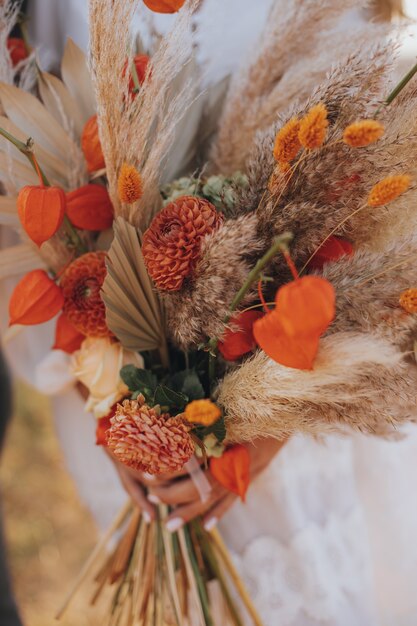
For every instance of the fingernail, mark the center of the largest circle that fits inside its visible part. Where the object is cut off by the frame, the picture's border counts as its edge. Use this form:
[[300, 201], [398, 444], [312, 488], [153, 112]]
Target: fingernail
[[154, 499], [174, 524], [149, 477], [146, 517], [211, 523]]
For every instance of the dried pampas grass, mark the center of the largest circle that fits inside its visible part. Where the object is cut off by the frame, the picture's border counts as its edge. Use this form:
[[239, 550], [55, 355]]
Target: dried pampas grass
[[359, 382], [198, 310], [280, 75], [9, 12], [140, 130]]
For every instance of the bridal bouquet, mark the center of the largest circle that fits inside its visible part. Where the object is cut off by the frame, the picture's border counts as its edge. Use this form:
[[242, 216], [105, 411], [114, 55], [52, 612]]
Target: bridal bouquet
[[213, 288]]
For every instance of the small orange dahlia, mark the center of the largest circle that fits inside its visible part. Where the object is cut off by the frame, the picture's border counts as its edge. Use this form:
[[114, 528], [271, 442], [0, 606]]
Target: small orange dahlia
[[203, 412], [171, 245], [147, 441], [81, 284]]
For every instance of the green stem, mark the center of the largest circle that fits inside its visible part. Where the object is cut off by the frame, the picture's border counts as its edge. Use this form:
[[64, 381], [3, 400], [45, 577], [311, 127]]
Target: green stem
[[397, 90], [280, 245], [135, 77], [27, 150]]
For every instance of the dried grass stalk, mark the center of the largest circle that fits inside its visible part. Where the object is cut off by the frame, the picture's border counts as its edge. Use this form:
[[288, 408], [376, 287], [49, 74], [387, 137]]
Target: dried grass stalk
[[137, 130], [279, 74]]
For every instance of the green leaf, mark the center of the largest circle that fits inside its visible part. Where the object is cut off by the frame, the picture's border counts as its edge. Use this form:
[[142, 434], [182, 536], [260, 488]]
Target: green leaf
[[188, 383], [139, 381], [170, 400], [218, 429]]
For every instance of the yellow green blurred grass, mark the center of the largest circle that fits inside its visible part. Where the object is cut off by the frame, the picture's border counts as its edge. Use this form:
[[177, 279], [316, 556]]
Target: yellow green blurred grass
[[49, 533]]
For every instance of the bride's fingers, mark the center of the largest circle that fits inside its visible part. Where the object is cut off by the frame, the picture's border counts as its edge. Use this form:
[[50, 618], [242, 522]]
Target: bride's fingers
[[218, 510], [137, 494], [176, 492]]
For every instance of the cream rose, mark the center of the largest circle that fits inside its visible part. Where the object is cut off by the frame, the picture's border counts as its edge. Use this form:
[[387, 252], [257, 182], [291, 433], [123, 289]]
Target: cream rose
[[97, 365]]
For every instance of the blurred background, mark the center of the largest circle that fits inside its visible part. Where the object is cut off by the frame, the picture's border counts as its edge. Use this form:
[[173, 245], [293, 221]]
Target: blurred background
[[49, 532]]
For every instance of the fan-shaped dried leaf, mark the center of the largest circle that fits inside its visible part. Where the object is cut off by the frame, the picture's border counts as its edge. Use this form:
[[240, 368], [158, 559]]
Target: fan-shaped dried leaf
[[18, 260], [8, 212], [61, 104], [133, 312], [77, 78]]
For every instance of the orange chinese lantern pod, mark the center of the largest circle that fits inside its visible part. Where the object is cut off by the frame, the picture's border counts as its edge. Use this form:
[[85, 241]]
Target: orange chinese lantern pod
[[332, 250], [141, 63], [103, 425], [67, 337], [17, 50], [164, 6], [41, 211], [90, 208], [232, 470], [35, 299], [239, 339], [306, 306], [91, 146], [298, 352]]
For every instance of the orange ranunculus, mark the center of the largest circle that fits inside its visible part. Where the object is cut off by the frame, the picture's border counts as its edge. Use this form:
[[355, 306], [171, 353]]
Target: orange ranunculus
[[164, 6], [297, 352], [17, 50], [332, 250], [67, 337], [90, 208], [232, 470], [290, 333], [35, 299], [238, 342], [91, 146], [41, 211]]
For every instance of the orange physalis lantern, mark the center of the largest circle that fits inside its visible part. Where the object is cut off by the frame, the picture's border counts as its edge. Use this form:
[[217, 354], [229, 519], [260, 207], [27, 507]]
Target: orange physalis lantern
[[232, 470], [332, 250], [35, 299], [90, 208], [239, 339], [290, 333], [17, 50], [91, 146], [164, 6], [140, 62], [41, 211], [67, 337]]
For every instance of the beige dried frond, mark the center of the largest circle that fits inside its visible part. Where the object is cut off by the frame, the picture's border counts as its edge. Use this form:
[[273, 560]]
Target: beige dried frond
[[8, 15], [133, 312], [284, 71], [137, 130]]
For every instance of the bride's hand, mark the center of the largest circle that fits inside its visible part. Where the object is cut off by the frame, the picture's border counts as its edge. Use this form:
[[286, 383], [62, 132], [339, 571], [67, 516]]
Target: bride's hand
[[182, 494]]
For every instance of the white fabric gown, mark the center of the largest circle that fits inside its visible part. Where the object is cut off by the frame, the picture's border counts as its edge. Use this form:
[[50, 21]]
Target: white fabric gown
[[327, 536]]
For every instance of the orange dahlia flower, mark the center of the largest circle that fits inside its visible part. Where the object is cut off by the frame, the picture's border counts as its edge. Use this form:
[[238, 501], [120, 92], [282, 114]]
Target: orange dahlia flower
[[171, 245], [81, 284]]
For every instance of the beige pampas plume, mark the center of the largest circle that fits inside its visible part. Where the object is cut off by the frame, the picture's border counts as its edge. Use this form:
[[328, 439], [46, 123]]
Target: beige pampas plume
[[8, 16], [139, 130], [284, 70]]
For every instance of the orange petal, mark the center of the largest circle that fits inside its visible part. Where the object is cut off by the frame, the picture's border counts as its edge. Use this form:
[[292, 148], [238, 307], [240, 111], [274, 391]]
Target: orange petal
[[41, 211], [232, 470], [297, 352], [35, 299], [306, 306], [67, 337], [90, 208], [332, 250]]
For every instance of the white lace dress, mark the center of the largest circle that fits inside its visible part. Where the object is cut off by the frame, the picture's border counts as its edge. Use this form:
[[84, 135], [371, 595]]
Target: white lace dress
[[327, 536]]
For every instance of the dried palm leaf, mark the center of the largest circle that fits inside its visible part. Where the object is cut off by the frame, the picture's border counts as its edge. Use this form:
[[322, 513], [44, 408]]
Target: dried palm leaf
[[8, 214], [133, 311], [18, 260], [61, 104], [77, 78]]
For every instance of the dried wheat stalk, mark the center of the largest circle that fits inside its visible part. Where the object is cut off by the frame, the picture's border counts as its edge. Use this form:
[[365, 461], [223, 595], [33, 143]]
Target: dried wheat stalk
[[140, 130]]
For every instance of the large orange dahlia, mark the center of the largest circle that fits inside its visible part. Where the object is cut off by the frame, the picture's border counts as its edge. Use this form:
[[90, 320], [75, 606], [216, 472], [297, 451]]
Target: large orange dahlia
[[81, 284], [171, 245], [147, 441]]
